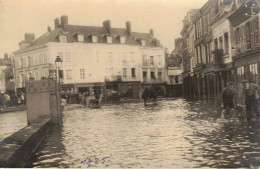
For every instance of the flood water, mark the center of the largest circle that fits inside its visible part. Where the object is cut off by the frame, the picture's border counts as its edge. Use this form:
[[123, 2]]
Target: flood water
[[11, 122], [173, 134]]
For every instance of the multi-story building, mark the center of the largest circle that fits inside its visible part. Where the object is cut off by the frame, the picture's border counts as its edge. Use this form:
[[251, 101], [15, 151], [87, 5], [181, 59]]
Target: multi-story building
[[93, 58], [245, 42], [226, 46], [174, 83], [6, 75], [188, 53], [221, 60]]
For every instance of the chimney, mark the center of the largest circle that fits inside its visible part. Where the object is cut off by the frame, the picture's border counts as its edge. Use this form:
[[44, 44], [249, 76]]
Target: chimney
[[63, 20], [128, 27], [5, 56], [49, 29], [107, 25], [151, 32], [56, 23], [29, 36]]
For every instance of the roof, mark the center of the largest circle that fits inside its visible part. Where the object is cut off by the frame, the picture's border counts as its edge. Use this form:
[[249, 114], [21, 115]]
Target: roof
[[45, 38], [71, 30]]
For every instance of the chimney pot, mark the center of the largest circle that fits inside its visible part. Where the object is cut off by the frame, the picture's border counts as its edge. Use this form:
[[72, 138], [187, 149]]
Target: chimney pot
[[151, 32], [5, 56], [56, 23], [128, 27], [49, 29], [107, 25], [63, 20]]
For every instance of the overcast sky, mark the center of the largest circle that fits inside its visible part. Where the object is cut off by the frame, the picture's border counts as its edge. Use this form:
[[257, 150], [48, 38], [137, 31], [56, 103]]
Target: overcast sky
[[163, 16]]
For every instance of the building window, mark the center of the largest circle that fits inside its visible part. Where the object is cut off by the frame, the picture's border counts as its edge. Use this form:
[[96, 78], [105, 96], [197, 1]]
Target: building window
[[253, 73], [45, 59], [176, 79], [28, 61], [152, 75], [132, 55], [124, 72], [171, 80], [145, 75], [143, 42], [25, 62], [216, 43], [109, 39], [226, 43], [94, 39], [63, 39], [67, 57], [110, 55], [160, 75], [82, 73], [69, 74], [80, 38], [122, 39], [220, 43], [151, 60], [41, 58], [159, 60], [240, 73], [133, 72]]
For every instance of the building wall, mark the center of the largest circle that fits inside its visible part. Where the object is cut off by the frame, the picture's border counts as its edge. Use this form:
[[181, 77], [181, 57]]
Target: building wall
[[153, 60], [89, 62], [2, 79], [32, 64], [218, 31]]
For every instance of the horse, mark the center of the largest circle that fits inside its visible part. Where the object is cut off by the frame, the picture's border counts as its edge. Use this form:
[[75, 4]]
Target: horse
[[149, 93]]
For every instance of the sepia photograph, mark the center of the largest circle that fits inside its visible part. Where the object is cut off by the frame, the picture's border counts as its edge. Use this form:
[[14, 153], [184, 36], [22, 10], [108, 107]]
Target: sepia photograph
[[129, 84]]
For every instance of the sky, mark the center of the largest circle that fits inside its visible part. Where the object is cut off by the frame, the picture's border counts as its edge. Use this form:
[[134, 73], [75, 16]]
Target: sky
[[34, 16]]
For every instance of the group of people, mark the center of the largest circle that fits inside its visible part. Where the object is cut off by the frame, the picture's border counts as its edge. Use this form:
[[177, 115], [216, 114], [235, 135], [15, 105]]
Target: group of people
[[92, 98], [7, 100], [250, 96]]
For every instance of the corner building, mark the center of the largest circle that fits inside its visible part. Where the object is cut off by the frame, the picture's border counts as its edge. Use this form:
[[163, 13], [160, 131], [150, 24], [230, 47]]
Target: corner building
[[93, 58]]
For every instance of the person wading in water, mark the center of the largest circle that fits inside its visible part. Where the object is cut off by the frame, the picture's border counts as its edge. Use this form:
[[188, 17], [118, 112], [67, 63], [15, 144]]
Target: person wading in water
[[229, 99]]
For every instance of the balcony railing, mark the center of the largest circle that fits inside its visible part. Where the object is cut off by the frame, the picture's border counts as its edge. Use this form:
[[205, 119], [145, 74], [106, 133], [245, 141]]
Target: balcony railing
[[148, 63]]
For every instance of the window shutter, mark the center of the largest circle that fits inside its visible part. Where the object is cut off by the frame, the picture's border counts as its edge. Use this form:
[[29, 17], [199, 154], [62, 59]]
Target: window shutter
[[256, 32]]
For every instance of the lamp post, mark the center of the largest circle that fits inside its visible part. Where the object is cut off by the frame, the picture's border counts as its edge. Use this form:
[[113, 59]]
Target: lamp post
[[58, 64]]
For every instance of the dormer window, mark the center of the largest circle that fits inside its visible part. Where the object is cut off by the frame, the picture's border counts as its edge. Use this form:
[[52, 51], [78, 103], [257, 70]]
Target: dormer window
[[143, 42], [63, 39], [122, 39], [94, 39], [80, 38], [109, 39]]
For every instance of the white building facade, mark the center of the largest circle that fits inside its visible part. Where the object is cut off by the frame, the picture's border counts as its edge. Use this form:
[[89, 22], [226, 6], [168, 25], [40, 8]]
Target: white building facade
[[93, 57]]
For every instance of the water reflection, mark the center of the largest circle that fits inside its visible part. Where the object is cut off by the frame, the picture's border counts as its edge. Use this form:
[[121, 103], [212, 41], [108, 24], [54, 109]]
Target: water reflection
[[175, 133], [11, 122]]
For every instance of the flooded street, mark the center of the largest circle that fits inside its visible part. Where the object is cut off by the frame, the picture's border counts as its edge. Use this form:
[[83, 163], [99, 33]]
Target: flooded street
[[11, 122], [175, 133]]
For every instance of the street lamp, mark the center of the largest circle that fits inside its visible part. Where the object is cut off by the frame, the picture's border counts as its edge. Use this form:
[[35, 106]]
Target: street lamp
[[58, 64], [254, 8]]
